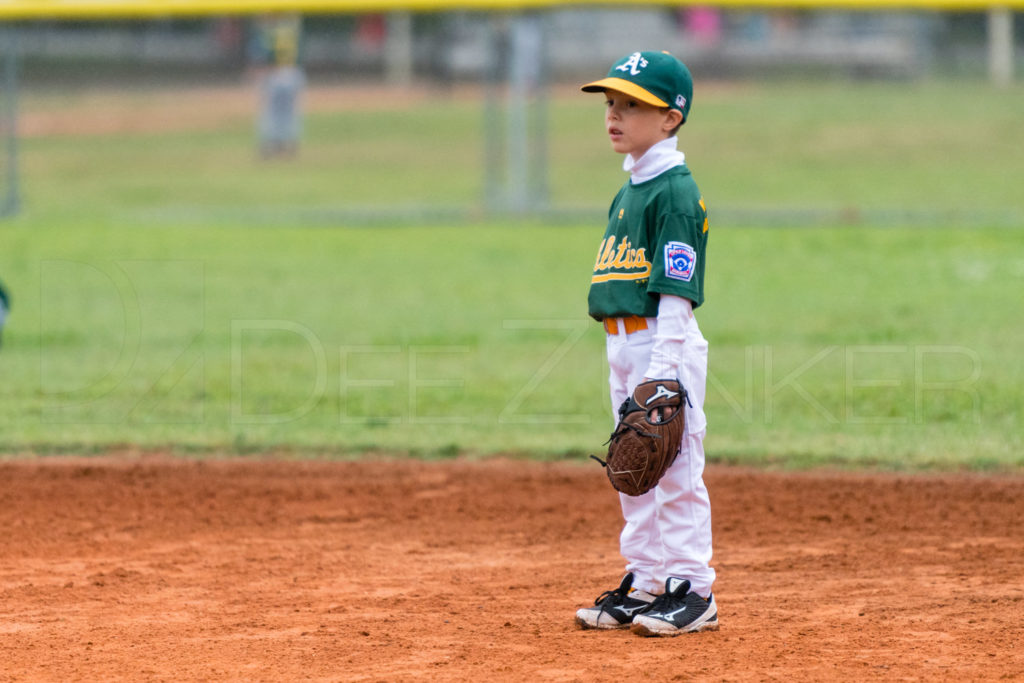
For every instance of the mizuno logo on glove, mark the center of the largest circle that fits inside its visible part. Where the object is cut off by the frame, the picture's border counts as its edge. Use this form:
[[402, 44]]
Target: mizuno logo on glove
[[662, 392]]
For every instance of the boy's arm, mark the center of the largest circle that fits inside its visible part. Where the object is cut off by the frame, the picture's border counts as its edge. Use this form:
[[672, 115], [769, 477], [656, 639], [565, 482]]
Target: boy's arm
[[674, 315]]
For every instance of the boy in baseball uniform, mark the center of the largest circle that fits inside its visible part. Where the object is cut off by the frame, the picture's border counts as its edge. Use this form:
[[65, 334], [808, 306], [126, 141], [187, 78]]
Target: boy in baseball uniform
[[648, 279]]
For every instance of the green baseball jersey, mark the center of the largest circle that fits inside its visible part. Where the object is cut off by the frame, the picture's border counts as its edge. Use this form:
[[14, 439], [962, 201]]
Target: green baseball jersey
[[655, 244]]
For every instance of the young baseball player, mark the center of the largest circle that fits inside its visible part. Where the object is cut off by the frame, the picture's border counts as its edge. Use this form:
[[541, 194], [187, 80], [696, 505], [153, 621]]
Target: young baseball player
[[647, 281]]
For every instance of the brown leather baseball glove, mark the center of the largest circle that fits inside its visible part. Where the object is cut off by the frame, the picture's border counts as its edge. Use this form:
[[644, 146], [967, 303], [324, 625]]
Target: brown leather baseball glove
[[646, 440]]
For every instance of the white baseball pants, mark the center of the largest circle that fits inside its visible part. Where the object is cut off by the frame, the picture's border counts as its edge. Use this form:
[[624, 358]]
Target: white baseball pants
[[668, 529]]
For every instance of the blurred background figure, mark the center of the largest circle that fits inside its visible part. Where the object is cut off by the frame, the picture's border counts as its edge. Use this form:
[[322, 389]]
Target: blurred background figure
[[274, 52], [5, 307], [704, 25]]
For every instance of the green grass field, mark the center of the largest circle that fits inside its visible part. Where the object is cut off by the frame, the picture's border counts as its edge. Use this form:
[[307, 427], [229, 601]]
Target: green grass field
[[864, 279]]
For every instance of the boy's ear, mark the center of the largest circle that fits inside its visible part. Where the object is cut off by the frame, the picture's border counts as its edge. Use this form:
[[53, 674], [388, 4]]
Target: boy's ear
[[673, 119]]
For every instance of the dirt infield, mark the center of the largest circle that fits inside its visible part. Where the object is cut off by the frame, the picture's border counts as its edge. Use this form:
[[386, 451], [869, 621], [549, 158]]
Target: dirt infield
[[148, 568]]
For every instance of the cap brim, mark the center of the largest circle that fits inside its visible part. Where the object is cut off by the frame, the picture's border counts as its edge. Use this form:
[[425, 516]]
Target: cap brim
[[624, 86]]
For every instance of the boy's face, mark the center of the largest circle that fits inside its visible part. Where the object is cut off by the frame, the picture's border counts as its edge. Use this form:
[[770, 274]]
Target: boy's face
[[634, 126]]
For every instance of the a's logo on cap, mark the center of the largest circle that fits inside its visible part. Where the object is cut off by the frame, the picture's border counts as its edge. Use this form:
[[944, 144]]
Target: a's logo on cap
[[680, 101], [633, 64]]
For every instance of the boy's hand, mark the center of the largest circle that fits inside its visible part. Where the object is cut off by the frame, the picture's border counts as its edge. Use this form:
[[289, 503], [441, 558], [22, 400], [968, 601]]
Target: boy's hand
[[662, 414], [659, 415]]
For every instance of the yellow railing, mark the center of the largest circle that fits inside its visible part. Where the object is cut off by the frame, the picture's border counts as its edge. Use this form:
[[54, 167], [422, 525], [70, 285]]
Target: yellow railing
[[101, 9]]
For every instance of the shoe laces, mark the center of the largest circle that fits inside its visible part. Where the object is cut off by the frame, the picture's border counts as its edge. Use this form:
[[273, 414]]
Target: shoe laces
[[667, 602], [615, 596]]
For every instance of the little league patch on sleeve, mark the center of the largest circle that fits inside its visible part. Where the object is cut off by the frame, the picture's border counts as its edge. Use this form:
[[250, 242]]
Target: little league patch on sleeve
[[680, 260]]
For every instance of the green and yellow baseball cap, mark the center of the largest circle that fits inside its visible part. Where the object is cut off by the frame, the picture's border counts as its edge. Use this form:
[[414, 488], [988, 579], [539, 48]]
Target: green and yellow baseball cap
[[656, 78]]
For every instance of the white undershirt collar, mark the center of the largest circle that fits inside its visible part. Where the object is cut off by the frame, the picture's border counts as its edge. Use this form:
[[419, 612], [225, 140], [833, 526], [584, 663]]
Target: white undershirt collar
[[659, 158]]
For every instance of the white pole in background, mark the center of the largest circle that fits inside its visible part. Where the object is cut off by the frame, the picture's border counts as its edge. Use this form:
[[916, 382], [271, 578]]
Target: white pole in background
[[1000, 46], [398, 52], [525, 63]]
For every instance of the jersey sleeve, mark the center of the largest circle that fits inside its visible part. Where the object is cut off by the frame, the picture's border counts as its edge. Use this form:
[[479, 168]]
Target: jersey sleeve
[[677, 264]]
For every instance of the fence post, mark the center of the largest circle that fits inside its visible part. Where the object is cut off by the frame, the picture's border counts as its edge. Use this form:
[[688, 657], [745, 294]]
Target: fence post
[[525, 83], [10, 203], [398, 52], [515, 136], [1000, 46]]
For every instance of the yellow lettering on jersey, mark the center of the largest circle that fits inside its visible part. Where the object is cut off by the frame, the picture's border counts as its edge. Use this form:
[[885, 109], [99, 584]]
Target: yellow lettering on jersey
[[704, 206], [622, 263], [623, 250], [604, 254]]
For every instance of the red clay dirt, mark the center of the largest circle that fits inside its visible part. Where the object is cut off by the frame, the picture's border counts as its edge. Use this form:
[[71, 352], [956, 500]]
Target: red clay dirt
[[154, 568]]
